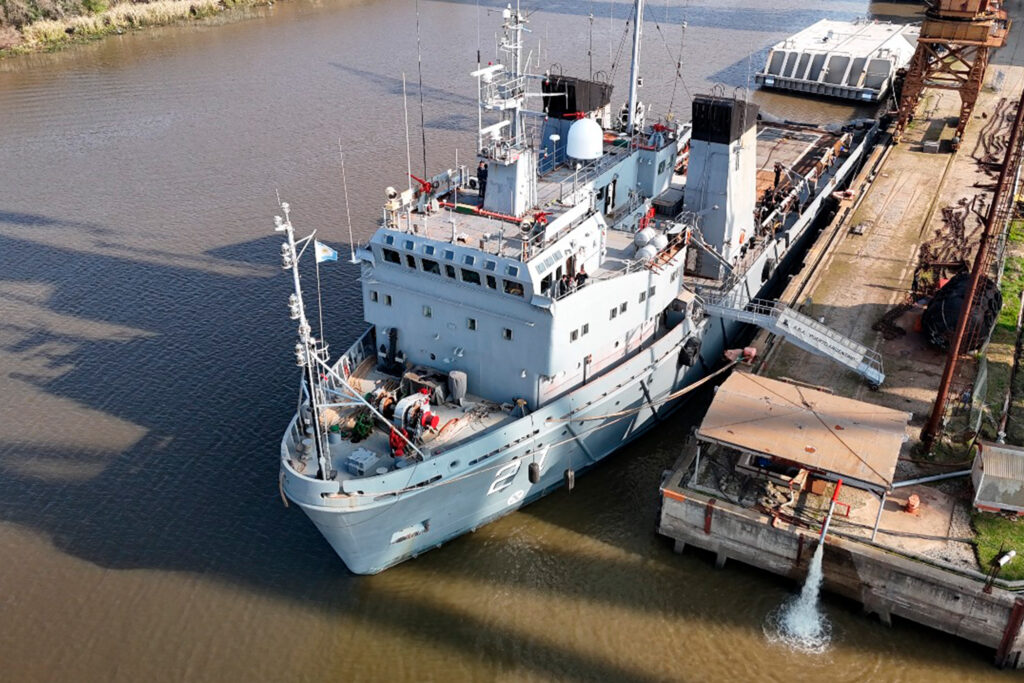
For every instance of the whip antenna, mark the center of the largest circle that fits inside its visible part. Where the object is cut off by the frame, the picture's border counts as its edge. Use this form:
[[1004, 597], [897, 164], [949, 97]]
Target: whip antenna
[[348, 211], [419, 66]]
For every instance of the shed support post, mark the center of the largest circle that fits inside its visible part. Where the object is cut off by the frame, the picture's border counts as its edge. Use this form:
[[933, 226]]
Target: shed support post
[[878, 518]]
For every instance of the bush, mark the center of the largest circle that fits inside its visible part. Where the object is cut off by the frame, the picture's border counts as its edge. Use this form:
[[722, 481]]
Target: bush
[[95, 6]]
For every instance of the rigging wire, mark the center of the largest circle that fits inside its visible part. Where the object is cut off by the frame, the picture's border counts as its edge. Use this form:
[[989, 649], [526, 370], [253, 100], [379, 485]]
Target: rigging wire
[[622, 43], [807, 406], [677, 59]]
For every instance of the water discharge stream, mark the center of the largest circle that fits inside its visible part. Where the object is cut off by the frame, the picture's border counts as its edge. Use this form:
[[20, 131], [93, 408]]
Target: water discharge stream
[[800, 622]]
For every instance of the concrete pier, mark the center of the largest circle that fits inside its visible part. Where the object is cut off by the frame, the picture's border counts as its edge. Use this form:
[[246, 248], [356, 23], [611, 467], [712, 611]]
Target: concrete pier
[[885, 583], [917, 199]]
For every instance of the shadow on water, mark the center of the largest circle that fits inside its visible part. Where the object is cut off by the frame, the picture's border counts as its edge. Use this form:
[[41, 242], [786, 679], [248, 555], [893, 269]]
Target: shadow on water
[[212, 385], [34, 220], [391, 85]]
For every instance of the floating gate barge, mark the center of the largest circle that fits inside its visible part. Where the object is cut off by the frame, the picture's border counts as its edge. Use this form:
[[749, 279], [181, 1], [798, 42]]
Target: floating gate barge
[[851, 60]]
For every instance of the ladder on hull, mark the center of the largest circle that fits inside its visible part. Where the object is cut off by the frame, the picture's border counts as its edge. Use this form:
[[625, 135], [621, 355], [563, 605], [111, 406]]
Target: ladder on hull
[[801, 331]]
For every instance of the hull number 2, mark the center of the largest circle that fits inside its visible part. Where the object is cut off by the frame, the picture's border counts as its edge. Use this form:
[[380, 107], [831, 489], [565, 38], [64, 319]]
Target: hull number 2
[[506, 474]]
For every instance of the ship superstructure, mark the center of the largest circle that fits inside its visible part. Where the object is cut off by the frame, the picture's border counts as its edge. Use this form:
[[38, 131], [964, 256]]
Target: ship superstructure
[[530, 316]]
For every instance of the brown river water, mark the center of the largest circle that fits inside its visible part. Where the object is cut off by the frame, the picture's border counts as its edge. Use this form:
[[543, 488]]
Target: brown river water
[[146, 373]]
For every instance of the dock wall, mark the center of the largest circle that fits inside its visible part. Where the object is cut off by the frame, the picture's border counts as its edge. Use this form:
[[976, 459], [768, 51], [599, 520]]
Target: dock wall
[[884, 582]]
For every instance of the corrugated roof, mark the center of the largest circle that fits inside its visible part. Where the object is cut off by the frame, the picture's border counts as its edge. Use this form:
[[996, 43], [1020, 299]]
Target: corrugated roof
[[1005, 462], [1000, 481], [828, 433]]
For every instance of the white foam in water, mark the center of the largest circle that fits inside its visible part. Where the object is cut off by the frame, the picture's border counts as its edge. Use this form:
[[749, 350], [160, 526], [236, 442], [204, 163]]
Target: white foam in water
[[799, 622]]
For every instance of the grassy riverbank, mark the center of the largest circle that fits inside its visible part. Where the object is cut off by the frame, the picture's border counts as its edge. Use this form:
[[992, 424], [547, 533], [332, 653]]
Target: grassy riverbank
[[1000, 351], [35, 25]]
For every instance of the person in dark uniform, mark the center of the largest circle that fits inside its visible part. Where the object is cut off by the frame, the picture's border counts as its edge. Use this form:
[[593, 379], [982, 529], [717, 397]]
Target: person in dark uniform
[[481, 177], [581, 277], [564, 286]]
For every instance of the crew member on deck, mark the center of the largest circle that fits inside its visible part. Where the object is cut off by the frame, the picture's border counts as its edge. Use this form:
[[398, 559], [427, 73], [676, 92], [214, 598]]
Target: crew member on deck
[[564, 286], [481, 178], [581, 277]]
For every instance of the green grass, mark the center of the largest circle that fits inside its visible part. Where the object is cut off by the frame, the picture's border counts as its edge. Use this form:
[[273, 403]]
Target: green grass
[[1001, 347], [91, 19], [995, 532]]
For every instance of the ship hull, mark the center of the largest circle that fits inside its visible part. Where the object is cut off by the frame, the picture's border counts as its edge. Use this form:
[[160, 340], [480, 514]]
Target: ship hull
[[404, 513]]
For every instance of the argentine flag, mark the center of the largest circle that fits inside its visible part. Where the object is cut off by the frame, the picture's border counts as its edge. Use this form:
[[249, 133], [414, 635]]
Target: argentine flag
[[325, 253]]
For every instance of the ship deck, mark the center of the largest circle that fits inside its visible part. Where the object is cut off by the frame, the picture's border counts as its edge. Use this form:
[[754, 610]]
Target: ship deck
[[799, 149], [458, 423], [500, 235]]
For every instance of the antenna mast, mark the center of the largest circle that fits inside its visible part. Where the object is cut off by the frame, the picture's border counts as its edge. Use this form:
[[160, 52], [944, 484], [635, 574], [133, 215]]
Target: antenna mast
[[307, 355], [635, 64]]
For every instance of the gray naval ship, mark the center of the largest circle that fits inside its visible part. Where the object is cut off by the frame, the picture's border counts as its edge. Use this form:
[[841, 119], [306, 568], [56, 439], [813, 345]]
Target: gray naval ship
[[526, 324]]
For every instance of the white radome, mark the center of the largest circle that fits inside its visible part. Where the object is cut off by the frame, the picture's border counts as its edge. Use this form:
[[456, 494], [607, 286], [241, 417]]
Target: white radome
[[585, 140]]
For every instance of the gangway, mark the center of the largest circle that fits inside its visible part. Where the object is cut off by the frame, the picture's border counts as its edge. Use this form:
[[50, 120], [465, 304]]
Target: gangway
[[801, 331]]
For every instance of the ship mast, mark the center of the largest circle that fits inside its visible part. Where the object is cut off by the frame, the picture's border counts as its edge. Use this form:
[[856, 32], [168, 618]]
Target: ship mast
[[307, 354], [634, 66]]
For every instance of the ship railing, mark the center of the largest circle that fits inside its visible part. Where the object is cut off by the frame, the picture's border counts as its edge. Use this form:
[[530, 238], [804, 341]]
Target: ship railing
[[602, 275], [497, 94], [576, 178], [549, 159]]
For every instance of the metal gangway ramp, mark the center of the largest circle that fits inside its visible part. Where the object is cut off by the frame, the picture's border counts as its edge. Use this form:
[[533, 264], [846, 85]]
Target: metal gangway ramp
[[801, 331]]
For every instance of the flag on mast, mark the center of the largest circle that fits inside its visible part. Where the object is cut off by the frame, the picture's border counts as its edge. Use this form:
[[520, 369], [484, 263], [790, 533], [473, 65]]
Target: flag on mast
[[325, 253]]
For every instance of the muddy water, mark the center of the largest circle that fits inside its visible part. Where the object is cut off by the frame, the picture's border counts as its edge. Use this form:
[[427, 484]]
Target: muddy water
[[145, 373]]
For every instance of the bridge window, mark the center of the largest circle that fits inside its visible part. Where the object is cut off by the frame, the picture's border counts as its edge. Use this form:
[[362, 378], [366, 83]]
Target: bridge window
[[409, 245], [513, 287], [492, 282], [389, 239], [471, 323], [430, 266], [449, 254], [410, 261], [490, 265], [506, 334], [512, 271], [391, 256], [428, 250], [468, 259], [373, 295], [387, 299], [470, 276], [449, 271]]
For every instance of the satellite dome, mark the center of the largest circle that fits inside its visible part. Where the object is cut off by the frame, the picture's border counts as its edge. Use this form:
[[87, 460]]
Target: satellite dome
[[585, 140]]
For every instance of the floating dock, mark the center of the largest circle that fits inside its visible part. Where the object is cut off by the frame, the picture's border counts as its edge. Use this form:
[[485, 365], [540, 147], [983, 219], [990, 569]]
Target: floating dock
[[899, 543], [852, 60]]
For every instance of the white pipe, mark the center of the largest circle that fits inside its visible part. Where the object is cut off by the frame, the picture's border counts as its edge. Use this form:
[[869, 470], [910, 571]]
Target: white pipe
[[934, 477], [635, 65]]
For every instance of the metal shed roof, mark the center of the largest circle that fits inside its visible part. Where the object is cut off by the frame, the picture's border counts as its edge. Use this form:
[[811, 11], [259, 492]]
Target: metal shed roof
[[852, 439], [998, 477]]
